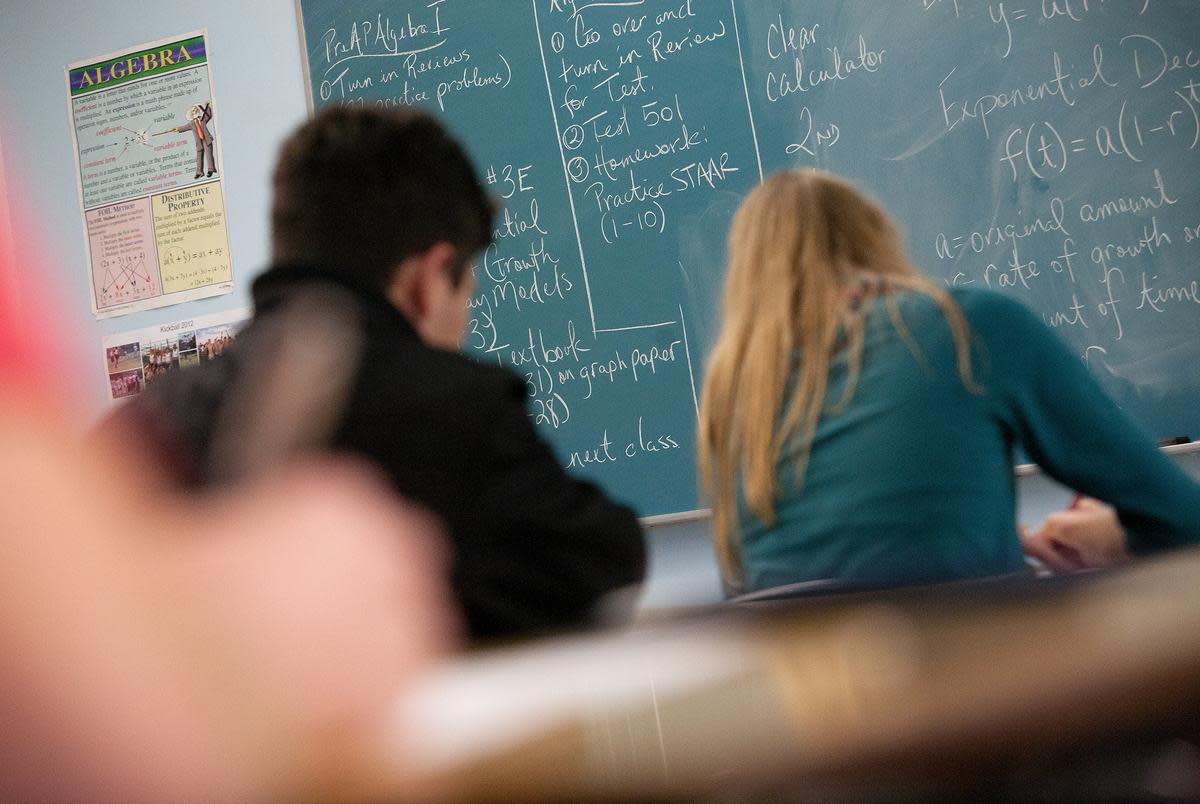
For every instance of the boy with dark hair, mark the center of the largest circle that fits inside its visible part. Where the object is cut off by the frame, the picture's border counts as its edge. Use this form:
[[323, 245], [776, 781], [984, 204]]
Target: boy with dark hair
[[353, 347], [365, 190]]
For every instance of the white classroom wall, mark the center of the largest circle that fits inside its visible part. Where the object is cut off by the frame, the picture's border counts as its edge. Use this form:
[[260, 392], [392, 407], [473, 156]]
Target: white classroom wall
[[5, 225]]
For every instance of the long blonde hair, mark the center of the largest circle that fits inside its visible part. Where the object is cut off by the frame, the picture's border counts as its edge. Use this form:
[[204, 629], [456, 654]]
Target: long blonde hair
[[802, 247]]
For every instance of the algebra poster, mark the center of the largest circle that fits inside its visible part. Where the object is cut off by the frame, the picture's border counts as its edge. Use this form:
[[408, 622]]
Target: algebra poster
[[145, 125]]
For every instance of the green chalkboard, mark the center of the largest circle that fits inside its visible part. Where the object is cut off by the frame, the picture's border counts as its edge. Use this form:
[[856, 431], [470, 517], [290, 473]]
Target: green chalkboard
[[1044, 148]]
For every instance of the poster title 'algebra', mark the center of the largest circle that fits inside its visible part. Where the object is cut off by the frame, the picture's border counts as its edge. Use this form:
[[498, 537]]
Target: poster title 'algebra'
[[94, 76]]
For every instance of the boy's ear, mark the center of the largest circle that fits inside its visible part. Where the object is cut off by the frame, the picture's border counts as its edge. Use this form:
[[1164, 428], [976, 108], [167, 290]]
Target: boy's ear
[[419, 278], [441, 256]]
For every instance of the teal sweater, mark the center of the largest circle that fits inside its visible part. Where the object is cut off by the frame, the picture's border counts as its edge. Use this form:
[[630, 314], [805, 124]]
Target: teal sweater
[[913, 481]]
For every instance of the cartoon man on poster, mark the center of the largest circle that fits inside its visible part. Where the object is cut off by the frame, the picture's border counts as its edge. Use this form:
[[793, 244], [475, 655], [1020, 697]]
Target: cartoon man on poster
[[199, 117]]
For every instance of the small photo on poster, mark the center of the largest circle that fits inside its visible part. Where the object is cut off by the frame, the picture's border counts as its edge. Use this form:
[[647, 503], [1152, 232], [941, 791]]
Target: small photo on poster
[[214, 340], [123, 358], [125, 384], [160, 359]]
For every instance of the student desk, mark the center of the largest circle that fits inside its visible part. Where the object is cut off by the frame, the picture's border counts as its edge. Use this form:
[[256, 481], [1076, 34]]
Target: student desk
[[918, 691]]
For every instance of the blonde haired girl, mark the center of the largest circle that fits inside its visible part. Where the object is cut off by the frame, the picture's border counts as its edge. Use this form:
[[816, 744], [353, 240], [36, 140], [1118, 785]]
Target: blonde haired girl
[[858, 421]]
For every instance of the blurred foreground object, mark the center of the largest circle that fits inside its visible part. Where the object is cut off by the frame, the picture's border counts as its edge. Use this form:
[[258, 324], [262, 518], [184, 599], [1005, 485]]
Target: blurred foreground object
[[240, 648], [1077, 687], [235, 647]]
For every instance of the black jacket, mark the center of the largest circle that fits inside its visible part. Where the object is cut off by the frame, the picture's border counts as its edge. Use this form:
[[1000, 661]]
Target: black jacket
[[534, 548]]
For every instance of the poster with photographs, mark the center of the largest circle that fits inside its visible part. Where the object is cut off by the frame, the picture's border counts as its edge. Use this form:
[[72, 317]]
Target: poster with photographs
[[135, 360]]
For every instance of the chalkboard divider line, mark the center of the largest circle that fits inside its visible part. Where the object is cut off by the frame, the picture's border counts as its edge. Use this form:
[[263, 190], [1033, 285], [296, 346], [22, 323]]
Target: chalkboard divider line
[[659, 325], [688, 354], [587, 285], [675, 519], [737, 35]]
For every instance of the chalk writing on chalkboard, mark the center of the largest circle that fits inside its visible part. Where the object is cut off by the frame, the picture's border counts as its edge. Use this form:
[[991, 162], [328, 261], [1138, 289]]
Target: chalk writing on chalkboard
[[1043, 148]]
